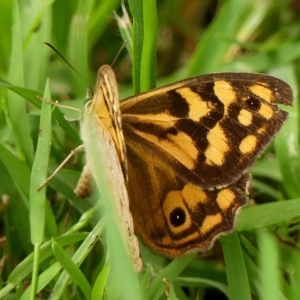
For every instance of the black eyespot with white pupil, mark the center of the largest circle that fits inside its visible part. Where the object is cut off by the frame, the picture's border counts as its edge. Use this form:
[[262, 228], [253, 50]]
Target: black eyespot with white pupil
[[253, 103], [177, 217]]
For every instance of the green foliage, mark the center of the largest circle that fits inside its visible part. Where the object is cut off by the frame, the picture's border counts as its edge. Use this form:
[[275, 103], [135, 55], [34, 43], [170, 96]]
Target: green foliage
[[47, 235]]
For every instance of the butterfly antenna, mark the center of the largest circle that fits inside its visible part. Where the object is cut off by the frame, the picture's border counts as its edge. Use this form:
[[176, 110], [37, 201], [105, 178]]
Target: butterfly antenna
[[57, 52], [121, 49]]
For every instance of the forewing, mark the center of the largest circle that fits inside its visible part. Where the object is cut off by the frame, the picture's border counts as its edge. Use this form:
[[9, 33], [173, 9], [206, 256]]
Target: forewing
[[210, 128]]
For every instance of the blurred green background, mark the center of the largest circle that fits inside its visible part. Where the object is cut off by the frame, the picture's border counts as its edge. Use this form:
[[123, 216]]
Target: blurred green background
[[167, 41]]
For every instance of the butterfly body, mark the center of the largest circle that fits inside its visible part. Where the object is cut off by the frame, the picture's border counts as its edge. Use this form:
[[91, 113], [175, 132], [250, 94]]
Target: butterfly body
[[188, 148]]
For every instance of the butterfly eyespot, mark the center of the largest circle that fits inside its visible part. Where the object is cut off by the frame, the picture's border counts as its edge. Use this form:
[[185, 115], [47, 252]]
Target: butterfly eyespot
[[177, 217], [253, 103]]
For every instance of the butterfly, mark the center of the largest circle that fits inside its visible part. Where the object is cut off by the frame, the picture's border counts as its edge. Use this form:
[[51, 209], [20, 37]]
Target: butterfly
[[184, 151]]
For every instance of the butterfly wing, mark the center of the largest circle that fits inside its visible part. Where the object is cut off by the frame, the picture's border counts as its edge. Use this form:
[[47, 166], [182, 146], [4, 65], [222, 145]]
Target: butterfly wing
[[174, 217], [210, 128], [189, 146]]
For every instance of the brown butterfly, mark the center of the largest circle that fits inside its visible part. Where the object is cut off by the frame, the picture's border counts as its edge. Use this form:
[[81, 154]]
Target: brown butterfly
[[185, 150]]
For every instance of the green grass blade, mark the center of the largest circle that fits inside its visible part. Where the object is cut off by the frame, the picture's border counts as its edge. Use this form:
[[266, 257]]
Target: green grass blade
[[100, 282], [148, 59], [156, 289], [16, 106], [268, 214], [6, 37], [125, 27], [78, 45], [230, 22], [144, 44], [263, 60], [136, 9], [286, 145], [32, 97], [17, 169], [43, 280], [294, 291], [34, 35], [24, 268], [269, 265], [235, 268], [38, 201], [71, 268], [99, 151], [101, 14], [39, 174], [78, 258], [198, 281]]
